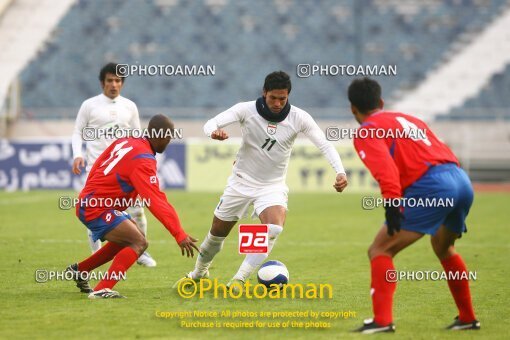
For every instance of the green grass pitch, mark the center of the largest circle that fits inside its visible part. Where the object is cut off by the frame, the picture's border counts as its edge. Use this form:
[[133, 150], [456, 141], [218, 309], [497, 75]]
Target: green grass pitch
[[324, 241]]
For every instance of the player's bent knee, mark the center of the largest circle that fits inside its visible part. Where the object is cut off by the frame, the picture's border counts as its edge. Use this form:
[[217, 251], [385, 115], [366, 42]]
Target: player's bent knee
[[140, 245], [443, 252], [144, 244], [221, 228], [374, 251], [380, 249]]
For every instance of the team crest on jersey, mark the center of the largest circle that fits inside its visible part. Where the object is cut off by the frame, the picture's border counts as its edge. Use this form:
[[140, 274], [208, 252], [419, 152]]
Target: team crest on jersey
[[271, 128], [108, 217], [153, 179]]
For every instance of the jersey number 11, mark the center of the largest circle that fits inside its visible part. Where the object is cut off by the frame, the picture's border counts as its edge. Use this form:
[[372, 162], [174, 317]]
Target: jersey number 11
[[268, 141]]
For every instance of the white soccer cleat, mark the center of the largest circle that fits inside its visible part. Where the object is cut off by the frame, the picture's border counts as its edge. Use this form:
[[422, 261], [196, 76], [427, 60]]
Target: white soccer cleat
[[189, 277], [146, 260], [106, 293], [236, 286]]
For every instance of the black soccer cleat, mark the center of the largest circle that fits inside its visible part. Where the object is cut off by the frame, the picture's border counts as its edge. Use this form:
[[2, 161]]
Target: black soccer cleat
[[458, 325], [370, 327], [81, 278]]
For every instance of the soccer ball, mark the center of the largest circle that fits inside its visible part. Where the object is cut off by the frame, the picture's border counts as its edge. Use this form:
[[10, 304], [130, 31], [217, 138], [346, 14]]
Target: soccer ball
[[273, 272]]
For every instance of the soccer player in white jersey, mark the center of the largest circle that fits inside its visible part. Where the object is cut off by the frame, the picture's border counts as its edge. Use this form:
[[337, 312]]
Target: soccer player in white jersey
[[106, 112], [269, 128]]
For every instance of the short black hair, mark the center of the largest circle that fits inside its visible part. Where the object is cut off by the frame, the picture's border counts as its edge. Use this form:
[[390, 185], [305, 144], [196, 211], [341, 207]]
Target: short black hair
[[277, 80], [159, 122], [365, 94], [108, 68]]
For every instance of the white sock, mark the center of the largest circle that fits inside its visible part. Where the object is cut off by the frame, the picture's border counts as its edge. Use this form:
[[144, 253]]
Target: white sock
[[94, 246], [138, 214], [253, 261], [208, 249]]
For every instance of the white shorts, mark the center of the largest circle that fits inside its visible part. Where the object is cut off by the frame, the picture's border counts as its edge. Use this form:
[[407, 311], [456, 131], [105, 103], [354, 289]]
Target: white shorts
[[238, 197]]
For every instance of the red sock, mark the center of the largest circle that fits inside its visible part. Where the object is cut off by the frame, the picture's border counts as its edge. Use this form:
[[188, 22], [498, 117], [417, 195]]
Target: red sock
[[382, 291], [121, 263], [103, 255], [459, 288]]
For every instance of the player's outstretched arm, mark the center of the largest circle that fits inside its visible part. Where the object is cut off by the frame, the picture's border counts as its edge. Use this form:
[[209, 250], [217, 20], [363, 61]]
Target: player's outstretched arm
[[187, 245], [214, 127], [219, 134], [340, 182], [145, 181], [78, 164], [314, 133], [377, 158], [393, 219], [77, 139]]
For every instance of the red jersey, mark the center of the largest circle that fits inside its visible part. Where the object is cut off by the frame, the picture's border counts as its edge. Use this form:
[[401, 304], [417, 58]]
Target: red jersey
[[126, 169], [399, 149]]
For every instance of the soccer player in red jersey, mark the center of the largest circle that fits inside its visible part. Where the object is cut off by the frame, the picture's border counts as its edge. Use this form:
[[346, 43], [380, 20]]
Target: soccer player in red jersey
[[415, 167], [126, 169]]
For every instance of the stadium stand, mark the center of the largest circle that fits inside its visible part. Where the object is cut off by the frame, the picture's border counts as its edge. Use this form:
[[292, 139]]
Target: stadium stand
[[245, 40], [24, 26], [492, 102], [415, 35], [464, 74]]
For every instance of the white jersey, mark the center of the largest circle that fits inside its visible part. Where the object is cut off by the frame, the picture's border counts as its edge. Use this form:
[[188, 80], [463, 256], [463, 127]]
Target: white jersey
[[266, 147], [102, 112]]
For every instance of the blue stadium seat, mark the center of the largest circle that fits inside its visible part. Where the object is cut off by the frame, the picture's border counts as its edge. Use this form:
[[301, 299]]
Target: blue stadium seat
[[246, 40]]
